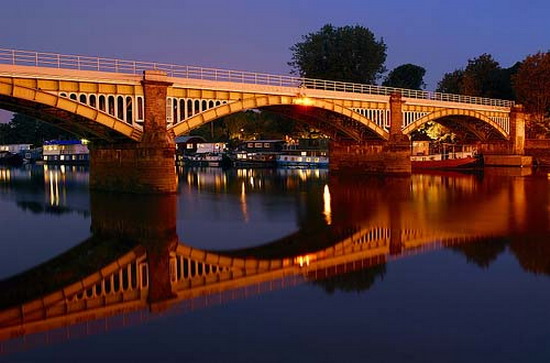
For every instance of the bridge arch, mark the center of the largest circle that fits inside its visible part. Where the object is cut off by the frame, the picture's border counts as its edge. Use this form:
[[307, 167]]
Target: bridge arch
[[259, 102], [66, 113], [465, 113]]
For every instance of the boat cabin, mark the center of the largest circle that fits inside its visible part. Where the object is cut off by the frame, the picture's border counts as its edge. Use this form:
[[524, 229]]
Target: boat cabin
[[262, 146]]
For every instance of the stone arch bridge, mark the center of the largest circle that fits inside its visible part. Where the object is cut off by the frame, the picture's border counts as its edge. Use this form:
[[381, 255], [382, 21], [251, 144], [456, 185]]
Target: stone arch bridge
[[132, 111]]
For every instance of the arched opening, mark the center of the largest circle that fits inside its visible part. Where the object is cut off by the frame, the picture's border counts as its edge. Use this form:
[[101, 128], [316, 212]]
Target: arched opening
[[120, 107], [102, 106], [129, 110]]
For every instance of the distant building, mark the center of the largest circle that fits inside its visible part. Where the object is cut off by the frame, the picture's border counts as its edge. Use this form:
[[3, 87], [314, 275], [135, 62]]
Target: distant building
[[65, 151], [16, 148]]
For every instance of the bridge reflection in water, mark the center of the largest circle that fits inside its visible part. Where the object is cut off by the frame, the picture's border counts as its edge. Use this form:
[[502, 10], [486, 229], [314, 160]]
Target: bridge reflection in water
[[134, 266]]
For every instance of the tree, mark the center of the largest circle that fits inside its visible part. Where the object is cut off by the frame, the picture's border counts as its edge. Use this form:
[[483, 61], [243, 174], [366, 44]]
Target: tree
[[482, 77], [406, 76], [24, 129], [532, 86], [451, 82], [349, 53]]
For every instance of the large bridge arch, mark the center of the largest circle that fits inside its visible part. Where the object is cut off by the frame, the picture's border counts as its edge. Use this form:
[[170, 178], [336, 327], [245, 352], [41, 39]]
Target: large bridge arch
[[65, 113], [466, 114], [266, 102]]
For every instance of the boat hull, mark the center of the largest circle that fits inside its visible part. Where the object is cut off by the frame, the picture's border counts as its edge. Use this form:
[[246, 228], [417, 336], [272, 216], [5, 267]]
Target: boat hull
[[462, 163]]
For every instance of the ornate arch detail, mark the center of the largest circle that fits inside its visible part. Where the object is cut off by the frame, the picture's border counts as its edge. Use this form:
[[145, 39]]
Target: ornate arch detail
[[54, 102], [202, 118], [453, 112]]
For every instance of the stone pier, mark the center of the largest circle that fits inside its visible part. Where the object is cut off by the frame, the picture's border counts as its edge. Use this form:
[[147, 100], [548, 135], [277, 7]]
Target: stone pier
[[376, 157], [144, 167]]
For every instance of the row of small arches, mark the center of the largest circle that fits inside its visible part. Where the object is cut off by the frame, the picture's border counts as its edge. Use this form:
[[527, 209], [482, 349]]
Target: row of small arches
[[180, 109], [185, 268], [380, 117], [122, 107], [411, 116], [128, 278], [503, 122]]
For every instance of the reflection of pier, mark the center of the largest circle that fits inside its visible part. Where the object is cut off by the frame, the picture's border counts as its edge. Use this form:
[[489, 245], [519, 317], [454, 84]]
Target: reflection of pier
[[151, 270]]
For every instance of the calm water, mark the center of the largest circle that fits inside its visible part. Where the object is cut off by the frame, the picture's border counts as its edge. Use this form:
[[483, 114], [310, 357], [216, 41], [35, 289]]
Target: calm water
[[270, 266]]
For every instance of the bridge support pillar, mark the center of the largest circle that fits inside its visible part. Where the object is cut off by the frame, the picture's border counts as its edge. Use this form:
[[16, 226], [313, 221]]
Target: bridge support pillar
[[376, 157], [517, 129], [145, 167]]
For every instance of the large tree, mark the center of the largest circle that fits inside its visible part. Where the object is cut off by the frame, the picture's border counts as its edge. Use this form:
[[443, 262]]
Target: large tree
[[451, 82], [482, 77], [532, 86], [349, 53], [406, 76]]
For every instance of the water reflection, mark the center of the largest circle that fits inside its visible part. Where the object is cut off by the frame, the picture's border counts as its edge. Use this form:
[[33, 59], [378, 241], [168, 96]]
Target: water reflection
[[134, 264]]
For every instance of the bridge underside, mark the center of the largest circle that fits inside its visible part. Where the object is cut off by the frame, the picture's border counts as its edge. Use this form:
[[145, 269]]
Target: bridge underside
[[336, 126], [80, 126], [468, 129]]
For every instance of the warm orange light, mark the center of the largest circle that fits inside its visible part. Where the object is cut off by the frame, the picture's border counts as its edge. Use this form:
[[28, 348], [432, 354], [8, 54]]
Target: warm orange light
[[304, 260], [303, 101]]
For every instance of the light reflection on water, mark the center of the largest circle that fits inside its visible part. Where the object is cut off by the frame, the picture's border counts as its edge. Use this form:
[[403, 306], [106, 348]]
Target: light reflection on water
[[231, 234]]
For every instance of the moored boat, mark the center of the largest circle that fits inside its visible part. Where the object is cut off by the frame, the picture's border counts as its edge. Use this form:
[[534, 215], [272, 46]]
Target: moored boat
[[447, 157], [306, 154]]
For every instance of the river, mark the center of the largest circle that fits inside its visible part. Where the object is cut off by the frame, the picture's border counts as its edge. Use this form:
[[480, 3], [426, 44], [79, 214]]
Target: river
[[276, 265]]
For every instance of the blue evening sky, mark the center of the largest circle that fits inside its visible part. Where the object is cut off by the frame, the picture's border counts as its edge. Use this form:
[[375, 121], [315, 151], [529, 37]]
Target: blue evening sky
[[255, 35]]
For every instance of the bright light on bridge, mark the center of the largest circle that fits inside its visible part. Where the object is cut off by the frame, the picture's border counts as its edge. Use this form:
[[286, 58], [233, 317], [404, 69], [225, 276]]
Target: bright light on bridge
[[303, 101]]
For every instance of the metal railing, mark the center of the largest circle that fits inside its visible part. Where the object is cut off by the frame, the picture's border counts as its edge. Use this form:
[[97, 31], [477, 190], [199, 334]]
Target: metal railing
[[79, 62]]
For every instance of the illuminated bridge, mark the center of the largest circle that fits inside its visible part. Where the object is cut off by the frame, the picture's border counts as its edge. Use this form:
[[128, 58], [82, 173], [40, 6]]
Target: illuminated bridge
[[132, 111]]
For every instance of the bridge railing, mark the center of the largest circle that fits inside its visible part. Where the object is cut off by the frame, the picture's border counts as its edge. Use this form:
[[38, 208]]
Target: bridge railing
[[78, 62]]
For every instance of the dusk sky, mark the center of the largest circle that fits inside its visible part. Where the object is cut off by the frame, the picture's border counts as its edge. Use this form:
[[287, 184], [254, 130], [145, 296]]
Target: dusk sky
[[256, 35]]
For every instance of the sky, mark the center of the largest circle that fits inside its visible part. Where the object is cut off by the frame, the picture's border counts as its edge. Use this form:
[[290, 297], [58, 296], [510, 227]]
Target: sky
[[255, 35]]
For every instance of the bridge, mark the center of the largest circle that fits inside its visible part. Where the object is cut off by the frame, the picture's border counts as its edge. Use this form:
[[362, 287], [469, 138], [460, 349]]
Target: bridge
[[132, 110]]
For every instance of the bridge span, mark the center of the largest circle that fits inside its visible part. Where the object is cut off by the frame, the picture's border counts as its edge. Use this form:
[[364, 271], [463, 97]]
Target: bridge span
[[132, 111]]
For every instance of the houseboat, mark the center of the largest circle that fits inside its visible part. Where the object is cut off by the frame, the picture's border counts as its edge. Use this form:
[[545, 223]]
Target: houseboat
[[187, 145], [66, 152], [307, 153], [257, 154], [208, 154], [444, 156]]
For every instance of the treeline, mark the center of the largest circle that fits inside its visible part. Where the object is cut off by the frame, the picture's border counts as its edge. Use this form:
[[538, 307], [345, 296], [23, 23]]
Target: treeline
[[23, 129]]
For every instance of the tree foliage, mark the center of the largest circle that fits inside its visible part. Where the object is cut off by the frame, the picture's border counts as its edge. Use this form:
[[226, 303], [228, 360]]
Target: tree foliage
[[349, 53], [451, 82], [408, 76], [482, 77], [532, 86], [23, 129]]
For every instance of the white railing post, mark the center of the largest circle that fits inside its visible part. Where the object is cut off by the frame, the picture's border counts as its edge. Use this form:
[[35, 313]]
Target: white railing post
[[13, 56], [58, 61]]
